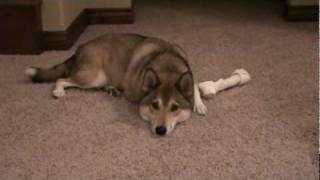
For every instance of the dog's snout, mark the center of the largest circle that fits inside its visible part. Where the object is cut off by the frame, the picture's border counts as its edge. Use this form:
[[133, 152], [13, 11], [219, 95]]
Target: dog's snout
[[161, 130]]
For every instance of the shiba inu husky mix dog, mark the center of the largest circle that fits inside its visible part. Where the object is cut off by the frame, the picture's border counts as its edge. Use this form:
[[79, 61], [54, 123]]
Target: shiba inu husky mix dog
[[148, 71]]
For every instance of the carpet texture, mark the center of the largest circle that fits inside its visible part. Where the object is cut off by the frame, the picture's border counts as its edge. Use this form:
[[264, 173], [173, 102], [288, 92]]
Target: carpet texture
[[264, 130]]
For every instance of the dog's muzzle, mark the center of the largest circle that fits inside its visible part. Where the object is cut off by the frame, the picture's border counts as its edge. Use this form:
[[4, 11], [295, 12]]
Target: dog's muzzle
[[161, 130]]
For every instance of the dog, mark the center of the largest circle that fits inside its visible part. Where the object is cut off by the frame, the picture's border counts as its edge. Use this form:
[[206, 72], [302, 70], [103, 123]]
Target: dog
[[148, 71]]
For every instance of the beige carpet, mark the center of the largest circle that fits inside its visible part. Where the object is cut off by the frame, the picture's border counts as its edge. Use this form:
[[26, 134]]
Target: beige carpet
[[265, 130]]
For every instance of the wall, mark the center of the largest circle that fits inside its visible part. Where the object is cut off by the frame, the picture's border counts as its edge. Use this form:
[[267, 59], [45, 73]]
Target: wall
[[302, 2], [108, 3], [57, 15], [70, 10], [52, 15]]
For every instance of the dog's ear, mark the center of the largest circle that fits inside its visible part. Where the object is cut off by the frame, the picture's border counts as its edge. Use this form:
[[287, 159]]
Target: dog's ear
[[180, 50], [185, 84], [150, 81]]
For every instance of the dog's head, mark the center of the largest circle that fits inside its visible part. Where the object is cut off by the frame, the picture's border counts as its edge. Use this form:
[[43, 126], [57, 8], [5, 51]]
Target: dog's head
[[168, 99]]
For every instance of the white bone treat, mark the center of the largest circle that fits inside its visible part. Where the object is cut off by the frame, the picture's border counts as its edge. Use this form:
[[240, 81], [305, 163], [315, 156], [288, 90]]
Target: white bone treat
[[209, 88]]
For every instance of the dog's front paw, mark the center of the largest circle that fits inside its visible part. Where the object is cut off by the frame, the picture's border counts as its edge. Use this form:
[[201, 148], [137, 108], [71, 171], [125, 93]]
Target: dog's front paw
[[58, 93], [200, 108], [113, 91]]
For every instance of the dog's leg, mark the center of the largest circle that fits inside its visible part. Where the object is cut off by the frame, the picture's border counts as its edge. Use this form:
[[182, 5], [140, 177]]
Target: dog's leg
[[61, 85], [199, 107]]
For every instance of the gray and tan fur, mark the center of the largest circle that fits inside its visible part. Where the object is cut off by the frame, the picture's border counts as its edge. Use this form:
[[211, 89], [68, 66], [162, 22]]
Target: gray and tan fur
[[148, 71]]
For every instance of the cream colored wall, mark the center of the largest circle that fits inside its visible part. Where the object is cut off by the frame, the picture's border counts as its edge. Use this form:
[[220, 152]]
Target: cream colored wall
[[303, 2], [70, 10], [57, 15], [108, 3], [52, 15]]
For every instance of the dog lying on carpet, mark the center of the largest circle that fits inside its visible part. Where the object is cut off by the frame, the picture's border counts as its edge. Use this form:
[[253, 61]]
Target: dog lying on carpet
[[150, 72]]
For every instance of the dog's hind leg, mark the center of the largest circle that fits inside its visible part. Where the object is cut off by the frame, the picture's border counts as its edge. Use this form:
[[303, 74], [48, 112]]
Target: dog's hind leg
[[61, 84], [85, 79], [199, 107]]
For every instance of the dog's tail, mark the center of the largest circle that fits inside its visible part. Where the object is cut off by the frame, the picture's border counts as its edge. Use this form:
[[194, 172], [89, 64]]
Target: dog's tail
[[40, 75]]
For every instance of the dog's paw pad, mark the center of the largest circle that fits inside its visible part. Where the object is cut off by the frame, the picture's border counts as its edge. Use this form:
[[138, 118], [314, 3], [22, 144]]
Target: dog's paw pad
[[58, 93], [30, 71], [113, 91], [200, 109]]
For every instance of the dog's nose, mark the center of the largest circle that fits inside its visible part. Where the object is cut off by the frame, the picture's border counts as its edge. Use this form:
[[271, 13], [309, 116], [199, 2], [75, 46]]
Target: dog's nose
[[161, 130]]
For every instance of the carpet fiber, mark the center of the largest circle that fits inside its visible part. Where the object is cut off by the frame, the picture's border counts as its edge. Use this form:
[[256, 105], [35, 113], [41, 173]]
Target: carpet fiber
[[264, 130]]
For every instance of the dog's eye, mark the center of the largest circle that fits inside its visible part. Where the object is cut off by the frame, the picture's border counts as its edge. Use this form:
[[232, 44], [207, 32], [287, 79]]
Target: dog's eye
[[155, 105], [174, 108]]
